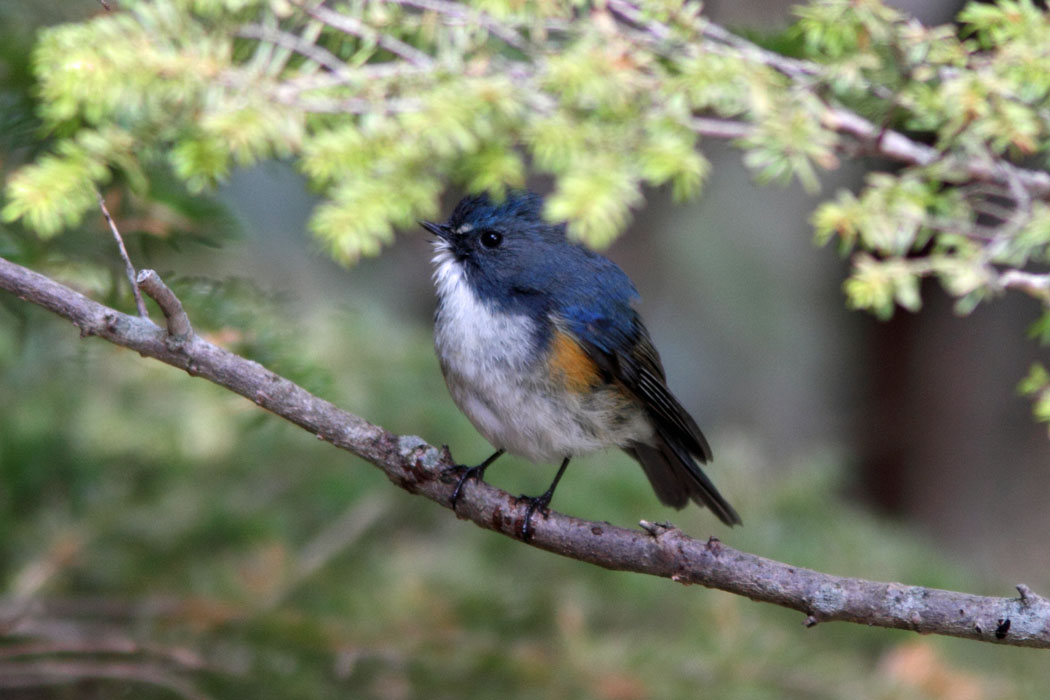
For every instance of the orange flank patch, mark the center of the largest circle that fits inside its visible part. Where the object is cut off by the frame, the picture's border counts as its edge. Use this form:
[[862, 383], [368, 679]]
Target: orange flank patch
[[570, 364]]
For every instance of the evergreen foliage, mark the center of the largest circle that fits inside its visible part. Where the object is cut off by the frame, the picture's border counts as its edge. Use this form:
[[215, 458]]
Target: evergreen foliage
[[386, 103]]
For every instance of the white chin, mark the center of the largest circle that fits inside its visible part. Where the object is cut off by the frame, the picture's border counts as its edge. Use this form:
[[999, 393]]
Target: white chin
[[448, 272]]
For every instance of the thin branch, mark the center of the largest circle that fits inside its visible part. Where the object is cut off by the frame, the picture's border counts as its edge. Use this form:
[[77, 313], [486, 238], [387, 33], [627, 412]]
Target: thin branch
[[179, 326], [355, 27], [317, 54], [993, 210], [351, 105], [633, 14], [113, 646], [129, 269], [296, 93], [49, 672], [721, 128], [335, 538], [659, 32], [367, 73], [899, 148], [791, 67], [267, 55], [1032, 284], [657, 550], [469, 15], [93, 627]]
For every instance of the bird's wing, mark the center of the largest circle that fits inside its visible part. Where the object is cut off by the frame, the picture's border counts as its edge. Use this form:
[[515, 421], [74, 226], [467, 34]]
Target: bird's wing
[[619, 344], [596, 309], [626, 355]]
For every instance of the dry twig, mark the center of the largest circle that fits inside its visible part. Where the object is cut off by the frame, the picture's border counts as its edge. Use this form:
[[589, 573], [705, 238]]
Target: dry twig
[[129, 269]]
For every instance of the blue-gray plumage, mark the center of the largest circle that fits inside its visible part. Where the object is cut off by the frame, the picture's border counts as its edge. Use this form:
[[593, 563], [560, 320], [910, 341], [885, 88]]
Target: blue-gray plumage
[[542, 348]]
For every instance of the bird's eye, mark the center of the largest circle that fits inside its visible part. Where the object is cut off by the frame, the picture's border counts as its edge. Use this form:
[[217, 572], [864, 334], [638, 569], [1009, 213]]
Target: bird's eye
[[491, 239]]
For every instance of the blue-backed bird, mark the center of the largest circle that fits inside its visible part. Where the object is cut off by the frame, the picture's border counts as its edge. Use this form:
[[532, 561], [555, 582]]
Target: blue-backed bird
[[543, 350]]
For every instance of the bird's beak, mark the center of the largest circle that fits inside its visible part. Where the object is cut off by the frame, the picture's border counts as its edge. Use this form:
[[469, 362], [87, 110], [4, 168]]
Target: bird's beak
[[439, 230]]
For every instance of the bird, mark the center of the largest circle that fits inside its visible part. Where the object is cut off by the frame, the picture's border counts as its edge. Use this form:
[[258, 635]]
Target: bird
[[542, 348]]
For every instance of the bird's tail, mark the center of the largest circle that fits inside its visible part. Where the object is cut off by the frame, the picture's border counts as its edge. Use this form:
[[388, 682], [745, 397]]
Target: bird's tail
[[677, 478]]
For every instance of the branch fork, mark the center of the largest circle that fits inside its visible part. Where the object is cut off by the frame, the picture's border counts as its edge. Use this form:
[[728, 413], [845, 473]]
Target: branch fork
[[178, 322]]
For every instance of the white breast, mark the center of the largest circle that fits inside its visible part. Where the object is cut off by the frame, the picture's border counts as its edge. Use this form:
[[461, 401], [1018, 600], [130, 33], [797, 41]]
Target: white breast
[[490, 364]]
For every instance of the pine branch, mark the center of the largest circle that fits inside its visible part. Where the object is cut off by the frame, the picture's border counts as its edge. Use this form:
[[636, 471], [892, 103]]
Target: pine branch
[[859, 134], [869, 138], [658, 550]]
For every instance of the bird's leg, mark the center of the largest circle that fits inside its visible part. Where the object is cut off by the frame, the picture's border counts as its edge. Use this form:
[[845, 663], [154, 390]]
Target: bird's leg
[[540, 503], [477, 473]]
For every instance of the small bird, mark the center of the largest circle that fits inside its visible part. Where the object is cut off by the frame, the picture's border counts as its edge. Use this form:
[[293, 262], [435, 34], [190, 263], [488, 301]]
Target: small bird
[[542, 349]]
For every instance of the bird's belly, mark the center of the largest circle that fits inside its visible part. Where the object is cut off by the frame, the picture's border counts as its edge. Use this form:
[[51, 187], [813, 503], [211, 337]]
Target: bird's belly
[[504, 385], [530, 422]]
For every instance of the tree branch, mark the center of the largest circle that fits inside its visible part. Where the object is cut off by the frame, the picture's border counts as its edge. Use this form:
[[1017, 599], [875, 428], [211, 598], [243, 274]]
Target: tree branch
[[860, 133], [872, 139], [307, 49], [355, 27], [129, 268], [897, 147], [658, 550], [1032, 284], [43, 672], [466, 15], [179, 327]]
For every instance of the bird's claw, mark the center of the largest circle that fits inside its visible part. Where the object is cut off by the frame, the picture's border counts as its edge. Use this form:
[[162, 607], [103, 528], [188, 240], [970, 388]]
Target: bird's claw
[[477, 473], [468, 473], [536, 503]]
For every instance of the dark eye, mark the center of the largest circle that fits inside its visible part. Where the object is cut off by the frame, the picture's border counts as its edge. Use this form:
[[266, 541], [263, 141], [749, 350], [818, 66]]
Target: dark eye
[[491, 239]]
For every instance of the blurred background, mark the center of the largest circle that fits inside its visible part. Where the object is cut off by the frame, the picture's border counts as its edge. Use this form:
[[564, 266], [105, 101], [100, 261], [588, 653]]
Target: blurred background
[[161, 537]]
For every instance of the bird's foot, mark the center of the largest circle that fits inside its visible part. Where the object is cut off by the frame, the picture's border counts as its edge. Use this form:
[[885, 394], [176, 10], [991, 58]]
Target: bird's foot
[[477, 473], [536, 504], [540, 503], [468, 473]]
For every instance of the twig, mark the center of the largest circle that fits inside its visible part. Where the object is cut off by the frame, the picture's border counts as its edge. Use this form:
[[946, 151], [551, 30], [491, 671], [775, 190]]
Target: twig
[[336, 537], [115, 646], [422, 469], [179, 326], [95, 627], [45, 672], [466, 15], [355, 27], [351, 105], [791, 67], [633, 14], [95, 606], [317, 54], [32, 577], [129, 269], [721, 128], [898, 147], [1032, 284], [289, 88]]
